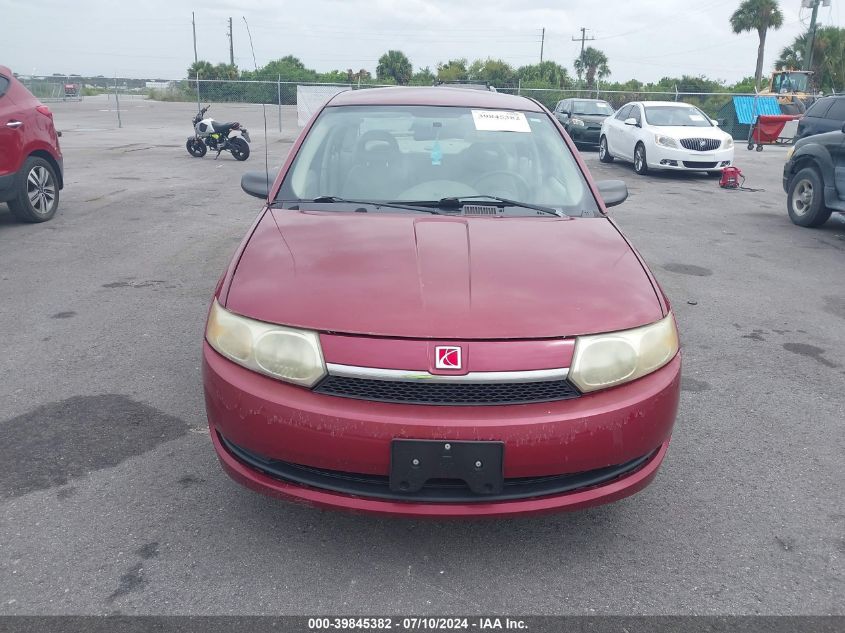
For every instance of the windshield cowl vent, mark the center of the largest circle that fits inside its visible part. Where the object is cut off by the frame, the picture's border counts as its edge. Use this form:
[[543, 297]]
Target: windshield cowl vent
[[481, 209]]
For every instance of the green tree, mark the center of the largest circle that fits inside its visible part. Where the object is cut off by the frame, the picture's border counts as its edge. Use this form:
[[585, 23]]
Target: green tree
[[546, 74], [453, 70], [760, 16], [204, 69], [593, 65], [423, 77], [394, 65], [493, 71], [828, 57], [287, 68]]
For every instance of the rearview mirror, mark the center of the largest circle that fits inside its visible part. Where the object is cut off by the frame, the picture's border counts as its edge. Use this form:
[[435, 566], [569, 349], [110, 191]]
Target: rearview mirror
[[257, 183], [613, 192], [631, 121]]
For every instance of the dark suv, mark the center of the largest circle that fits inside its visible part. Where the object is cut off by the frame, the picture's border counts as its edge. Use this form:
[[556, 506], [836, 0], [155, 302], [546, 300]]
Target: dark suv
[[814, 178], [30, 158], [825, 115]]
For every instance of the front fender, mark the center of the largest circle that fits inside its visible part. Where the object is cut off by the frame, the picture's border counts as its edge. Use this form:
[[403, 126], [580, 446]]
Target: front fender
[[818, 156]]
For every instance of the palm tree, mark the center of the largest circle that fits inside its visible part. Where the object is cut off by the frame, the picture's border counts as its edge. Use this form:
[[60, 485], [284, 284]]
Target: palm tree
[[828, 57], [592, 64], [760, 16]]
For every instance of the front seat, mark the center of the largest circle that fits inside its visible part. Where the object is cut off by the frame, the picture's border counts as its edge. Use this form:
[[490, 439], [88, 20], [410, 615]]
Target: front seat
[[378, 168]]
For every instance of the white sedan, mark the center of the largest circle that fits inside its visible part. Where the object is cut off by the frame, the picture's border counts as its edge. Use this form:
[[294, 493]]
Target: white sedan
[[665, 135]]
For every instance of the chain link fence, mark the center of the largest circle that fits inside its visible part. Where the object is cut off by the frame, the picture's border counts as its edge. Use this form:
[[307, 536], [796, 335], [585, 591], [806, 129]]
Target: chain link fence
[[307, 97]]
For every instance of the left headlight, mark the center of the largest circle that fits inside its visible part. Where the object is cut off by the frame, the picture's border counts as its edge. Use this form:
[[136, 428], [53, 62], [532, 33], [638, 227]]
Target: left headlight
[[729, 143], [577, 122], [607, 360], [285, 353]]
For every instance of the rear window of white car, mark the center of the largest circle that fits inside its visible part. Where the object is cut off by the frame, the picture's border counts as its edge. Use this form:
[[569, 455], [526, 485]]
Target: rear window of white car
[[676, 116]]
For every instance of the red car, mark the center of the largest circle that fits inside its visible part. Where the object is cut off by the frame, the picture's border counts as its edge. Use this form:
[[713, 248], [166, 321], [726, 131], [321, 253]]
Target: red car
[[434, 316], [31, 167]]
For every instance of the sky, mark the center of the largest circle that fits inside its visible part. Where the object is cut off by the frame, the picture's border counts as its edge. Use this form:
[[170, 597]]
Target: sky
[[643, 39]]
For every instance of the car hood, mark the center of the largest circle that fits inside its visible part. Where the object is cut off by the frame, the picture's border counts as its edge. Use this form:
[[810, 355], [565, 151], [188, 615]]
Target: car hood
[[404, 275], [591, 118], [826, 138]]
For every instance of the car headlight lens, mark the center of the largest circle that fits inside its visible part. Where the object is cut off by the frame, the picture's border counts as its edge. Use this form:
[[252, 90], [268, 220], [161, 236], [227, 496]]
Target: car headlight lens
[[665, 141], [277, 351], [606, 360], [577, 122], [728, 144]]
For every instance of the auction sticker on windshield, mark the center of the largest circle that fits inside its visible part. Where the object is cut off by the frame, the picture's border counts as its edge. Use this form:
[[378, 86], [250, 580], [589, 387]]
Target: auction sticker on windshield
[[500, 121]]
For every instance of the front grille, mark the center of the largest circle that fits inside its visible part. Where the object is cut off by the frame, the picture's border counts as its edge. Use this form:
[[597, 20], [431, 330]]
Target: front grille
[[436, 490], [701, 144], [696, 164], [444, 393]]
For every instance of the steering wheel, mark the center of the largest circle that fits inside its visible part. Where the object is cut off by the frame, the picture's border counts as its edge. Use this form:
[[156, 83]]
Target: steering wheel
[[496, 183]]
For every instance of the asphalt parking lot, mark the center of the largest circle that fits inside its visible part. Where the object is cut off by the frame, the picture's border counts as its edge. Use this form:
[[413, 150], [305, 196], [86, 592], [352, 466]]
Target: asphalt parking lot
[[111, 498]]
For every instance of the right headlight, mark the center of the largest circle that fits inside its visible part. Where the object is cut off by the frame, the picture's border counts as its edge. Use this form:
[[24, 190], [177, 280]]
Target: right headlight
[[284, 353], [607, 360], [665, 141]]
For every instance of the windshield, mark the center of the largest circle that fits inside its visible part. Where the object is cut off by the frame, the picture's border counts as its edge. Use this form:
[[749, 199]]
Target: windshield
[[791, 82], [592, 107], [684, 116], [427, 153]]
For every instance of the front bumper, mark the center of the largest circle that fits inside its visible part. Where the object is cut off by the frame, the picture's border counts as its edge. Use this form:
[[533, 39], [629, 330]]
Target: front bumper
[[659, 157], [584, 135], [295, 426]]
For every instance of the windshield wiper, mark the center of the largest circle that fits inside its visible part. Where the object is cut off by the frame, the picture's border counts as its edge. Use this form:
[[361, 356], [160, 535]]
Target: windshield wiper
[[337, 200], [454, 202]]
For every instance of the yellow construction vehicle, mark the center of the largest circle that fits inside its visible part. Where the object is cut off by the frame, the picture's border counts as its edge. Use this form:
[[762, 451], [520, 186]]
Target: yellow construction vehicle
[[793, 89]]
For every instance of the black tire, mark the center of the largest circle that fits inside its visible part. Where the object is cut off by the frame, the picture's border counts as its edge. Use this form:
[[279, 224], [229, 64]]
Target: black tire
[[196, 147], [805, 200], [240, 148], [759, 148], [640, 163], [604, 152], [37, 191], [750, 146]]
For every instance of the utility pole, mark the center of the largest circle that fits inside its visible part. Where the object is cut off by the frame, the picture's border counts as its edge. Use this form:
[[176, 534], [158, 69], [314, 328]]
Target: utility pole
[[542, 43], [194, 25], [583, 38], [231, 45], [811, 35]]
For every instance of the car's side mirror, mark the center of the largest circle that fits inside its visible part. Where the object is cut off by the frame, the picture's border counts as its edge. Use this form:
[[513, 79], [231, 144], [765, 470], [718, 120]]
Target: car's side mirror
[[613, 192], [257, 183], [631, 121]]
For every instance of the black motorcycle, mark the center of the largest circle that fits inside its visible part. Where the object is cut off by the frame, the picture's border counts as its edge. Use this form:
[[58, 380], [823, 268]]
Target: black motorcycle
[[219, 137]]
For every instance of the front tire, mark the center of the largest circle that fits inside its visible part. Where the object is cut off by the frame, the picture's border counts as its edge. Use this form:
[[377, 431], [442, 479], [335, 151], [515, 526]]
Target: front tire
[[37, 196], [640, 163], [196, 147], [805, 200], [240, 148], [604, 152]]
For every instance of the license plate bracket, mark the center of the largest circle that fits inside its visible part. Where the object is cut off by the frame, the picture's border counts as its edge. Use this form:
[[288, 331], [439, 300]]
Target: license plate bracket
[[479, 464]]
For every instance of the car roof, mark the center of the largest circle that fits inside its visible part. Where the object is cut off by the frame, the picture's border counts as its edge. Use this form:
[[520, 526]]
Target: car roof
[[434, 96], [4, 70]]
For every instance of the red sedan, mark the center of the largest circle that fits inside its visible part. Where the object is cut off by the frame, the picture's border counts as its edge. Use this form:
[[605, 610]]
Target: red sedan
[[434, 316]]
